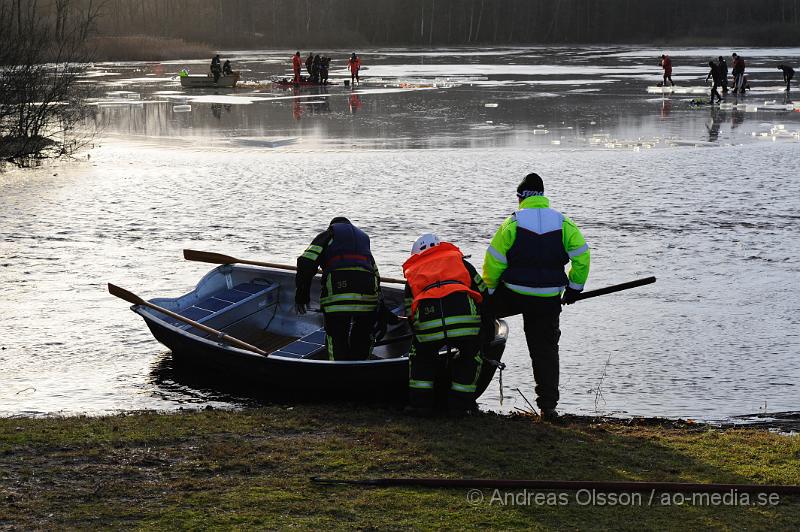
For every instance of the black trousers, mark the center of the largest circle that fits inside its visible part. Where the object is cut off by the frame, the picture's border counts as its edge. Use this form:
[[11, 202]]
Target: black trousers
[[714, 92], [541, 318], [460, 373], [349, 335]]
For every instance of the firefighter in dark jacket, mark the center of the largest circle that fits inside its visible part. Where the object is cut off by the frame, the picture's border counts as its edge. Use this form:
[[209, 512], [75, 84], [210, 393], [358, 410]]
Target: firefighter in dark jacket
[[443, 299], [350, 288]]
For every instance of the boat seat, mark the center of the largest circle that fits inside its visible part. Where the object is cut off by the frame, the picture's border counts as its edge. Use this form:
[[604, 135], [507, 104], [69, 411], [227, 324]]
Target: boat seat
[[205, 308], [304, 347]]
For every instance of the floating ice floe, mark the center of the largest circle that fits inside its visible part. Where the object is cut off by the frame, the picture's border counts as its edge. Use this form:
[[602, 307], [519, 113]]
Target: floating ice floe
[[467, 69], [648, 53], [139, 81], [98, 74], [776, 132], [227, 100], [688, 142], [124, 94], [265, 142], [678, 90], [773, 105], [392, 90]]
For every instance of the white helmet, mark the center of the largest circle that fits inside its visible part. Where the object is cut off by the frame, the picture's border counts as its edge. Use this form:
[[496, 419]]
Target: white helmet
[[425, 242]]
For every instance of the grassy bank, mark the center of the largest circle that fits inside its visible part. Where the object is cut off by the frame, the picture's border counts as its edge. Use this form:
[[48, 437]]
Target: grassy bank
[[146, 48], [251, 469]]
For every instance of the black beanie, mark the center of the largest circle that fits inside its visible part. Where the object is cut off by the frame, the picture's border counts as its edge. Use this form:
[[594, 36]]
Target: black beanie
[[339, 220], [531, 186]]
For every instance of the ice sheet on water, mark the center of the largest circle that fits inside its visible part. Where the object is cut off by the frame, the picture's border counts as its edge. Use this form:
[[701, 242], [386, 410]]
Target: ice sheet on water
[[459, 69], [678, 89], [390, 90], [568, 81], [265, 142], [450, 52], [223, 99], [766, 89], [533, 82], [186, 62], [98, 74], [706, 52], [140, 81], [123, 94]]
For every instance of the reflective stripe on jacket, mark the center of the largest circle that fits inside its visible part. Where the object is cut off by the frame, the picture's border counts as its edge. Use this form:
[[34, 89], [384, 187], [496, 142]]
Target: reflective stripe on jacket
[[436, 273], [529, 251]]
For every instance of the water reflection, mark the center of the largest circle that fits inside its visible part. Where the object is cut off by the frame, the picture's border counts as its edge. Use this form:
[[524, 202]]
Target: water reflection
[[714, 124], [355, 103]]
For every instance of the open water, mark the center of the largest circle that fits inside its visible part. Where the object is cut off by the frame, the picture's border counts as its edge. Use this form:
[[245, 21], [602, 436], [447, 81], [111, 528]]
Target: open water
[[704, 198]]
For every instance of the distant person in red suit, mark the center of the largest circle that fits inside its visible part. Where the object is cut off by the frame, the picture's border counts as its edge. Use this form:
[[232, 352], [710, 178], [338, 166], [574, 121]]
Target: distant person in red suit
[[666, 64], [297, 63], [354, 63]]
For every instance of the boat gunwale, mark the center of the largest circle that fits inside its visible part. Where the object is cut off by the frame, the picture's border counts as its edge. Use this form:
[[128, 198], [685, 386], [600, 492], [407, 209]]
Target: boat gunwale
[[148, 315]]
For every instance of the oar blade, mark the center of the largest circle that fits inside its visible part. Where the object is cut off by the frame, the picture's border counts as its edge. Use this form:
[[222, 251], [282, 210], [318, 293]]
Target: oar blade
[[121, 293], [208, 256]]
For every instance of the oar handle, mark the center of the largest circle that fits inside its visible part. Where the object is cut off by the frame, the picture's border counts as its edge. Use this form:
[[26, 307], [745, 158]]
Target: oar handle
[[219, 258], [132, 298]]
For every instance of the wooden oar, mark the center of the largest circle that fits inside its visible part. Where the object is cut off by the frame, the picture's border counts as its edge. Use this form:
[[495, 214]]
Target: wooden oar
[[219, 258], [615, 288], [133, 299]]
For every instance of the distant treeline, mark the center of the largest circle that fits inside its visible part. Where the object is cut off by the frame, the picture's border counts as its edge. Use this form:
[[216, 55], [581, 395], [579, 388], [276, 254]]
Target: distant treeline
[[333, 23]]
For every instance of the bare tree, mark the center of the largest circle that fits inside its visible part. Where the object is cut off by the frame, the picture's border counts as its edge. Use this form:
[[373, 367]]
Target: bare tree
[[40, 103]]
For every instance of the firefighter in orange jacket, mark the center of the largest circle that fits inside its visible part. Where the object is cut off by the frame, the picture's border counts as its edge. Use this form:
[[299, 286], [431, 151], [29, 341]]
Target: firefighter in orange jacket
[[354, 64], [296, 65], [443, 298]]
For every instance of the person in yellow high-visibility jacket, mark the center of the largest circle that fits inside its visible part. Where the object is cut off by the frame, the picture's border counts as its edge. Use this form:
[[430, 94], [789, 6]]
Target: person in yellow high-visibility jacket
[[524, 272]]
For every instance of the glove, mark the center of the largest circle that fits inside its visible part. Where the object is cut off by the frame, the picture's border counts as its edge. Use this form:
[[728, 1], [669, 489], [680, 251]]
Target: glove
[[570, 296], [301, 299]]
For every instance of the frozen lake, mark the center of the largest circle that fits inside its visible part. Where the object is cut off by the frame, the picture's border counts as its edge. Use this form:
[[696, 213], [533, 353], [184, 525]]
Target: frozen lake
[[704, 198]]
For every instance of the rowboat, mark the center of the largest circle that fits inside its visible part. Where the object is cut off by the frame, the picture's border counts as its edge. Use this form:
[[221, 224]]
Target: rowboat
[[256, 304], [200, 81]]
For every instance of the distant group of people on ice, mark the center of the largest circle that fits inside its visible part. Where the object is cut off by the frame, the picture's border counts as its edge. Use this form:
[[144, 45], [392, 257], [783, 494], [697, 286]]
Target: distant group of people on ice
[[718, 74], [318, 66]]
